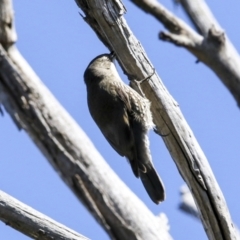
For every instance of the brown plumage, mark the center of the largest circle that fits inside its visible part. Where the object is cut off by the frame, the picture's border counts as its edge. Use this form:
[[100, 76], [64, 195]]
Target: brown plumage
[[124, 118]]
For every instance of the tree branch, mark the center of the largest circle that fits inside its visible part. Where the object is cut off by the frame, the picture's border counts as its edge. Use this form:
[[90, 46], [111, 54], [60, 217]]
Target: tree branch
[[105, 17], [213, 48], [31, 222], [188, 206], [200, 15], [70, 152]]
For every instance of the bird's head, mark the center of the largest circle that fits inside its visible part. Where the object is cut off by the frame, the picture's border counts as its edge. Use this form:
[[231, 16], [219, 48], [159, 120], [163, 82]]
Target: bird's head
[[100, 67]]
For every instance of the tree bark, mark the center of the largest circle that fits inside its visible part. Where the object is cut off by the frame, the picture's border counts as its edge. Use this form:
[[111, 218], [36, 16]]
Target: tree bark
[[70, 152], [210, 44], [31, 222], [188, 206], [105, 18]]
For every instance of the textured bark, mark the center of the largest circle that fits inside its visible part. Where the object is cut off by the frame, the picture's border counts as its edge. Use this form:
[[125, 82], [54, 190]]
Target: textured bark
[[216, 51], [31, 222], [68, 149], [105, 18], [210, 45], [188, 206]]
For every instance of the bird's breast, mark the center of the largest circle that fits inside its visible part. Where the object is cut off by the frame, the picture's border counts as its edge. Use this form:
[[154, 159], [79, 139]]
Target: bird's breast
[[103, 103]]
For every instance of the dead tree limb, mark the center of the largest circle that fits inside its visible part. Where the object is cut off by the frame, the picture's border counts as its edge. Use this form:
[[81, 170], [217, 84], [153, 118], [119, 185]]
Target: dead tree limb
[[105, 18], [31, 222], [210, 44], [188, 205], [68, 149]]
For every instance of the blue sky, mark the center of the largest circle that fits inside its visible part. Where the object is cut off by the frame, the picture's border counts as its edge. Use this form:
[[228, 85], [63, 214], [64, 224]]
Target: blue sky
[[58, 45]]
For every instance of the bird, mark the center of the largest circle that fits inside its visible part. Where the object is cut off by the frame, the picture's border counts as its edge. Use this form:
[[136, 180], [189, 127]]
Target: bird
[[124, 118]]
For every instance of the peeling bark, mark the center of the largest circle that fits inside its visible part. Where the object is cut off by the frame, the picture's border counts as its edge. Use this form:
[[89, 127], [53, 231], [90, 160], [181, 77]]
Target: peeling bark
[[71, 153], [192, 164]]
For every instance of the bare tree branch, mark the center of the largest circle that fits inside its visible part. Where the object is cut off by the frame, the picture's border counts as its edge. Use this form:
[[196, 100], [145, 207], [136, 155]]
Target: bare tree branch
[[105, 17], [31, 222], [34, 109], [212, 47], [200, 15], [71, 153], [188, 205]]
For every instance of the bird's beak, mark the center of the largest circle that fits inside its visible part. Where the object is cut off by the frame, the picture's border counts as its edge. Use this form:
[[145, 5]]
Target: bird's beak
[[112, 56]]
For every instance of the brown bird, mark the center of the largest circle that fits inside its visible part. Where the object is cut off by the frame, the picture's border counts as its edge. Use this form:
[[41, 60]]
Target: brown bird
[[124, 118]]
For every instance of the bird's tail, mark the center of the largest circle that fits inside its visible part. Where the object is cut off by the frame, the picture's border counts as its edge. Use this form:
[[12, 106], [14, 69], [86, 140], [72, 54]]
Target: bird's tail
[[149, 177], [153, 184]]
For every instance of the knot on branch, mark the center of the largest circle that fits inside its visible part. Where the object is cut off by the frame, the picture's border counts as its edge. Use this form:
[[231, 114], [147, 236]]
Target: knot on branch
[[112, 10], [178, 40], [119, 7], [216, 37], [8, 34]]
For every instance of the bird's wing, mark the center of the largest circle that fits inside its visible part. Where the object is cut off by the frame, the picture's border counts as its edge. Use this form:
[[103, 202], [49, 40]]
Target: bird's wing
[[115, 124], [123, 95], [111, 139], [116, 128], [137, 107]]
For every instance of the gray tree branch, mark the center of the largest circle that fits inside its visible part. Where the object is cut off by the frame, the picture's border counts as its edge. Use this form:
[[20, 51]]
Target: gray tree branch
[[68, 149], [31, 222], [105, 18], [210, 46], [200, 15], [188, 205]]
